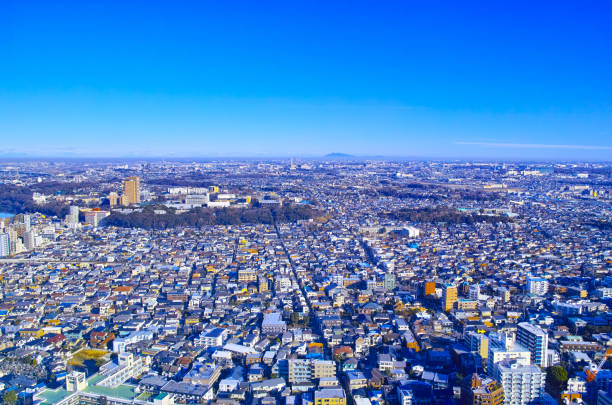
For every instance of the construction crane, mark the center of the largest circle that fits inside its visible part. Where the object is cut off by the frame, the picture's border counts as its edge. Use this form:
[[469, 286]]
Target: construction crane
[[590, 375]]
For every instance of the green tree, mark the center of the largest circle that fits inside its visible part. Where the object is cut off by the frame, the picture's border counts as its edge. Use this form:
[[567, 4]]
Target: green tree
[[10, 397], [459, 378], [295, 318], [556, 378]]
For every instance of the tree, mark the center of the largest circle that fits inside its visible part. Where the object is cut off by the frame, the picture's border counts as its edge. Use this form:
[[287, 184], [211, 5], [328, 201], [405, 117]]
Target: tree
[[295, 318], [556, 378], [10, 397], [459, 378]]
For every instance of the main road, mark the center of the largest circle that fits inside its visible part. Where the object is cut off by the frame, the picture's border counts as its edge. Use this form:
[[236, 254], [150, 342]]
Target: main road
[[313, 318]]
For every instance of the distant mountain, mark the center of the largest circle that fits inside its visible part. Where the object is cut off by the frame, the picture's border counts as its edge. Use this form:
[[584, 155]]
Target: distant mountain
[[337, 155]]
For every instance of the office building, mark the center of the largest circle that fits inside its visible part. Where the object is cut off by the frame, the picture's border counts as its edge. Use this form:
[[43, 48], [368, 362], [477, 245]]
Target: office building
[[131, 190], [535, 339]]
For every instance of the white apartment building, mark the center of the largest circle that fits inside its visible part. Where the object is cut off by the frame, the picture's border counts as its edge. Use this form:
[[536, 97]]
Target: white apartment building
[[5, 247], [503, 347], [120, 344], [537, 285], [474, 292], [522, 384], [212, 338], [128, 366]]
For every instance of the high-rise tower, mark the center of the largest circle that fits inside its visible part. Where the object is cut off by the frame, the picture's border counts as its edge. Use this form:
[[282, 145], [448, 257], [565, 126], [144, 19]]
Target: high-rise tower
[[131, 189]]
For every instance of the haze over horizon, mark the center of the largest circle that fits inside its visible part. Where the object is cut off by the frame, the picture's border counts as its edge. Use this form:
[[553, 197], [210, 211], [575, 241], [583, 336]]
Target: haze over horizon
[[274, 79]]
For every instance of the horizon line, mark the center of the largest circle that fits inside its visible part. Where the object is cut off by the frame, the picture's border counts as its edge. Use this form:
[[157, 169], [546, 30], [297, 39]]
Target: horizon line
[[344, 157], [535, 145]]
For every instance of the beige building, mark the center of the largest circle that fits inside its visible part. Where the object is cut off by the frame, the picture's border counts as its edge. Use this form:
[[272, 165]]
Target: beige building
[[449, 297], [477, 342], [247, 275], [131, 189], [113, 199]]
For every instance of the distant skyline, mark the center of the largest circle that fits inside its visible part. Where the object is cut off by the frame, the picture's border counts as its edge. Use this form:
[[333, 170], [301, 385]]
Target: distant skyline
[[466, 80]]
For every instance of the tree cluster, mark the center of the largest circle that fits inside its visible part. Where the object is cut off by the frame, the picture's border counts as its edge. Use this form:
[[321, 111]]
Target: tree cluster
[[185, 181], [443, 214], [18, 200], [9, 397], [556, 380], [601, 224], [57, 187], [199, 217], [421, 191]]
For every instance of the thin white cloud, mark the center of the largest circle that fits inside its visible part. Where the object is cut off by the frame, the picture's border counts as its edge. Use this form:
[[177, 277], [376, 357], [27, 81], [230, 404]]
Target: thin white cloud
[[535, 145]]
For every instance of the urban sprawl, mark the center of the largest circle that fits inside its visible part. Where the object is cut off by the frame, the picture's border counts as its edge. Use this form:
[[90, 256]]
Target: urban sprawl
[[305, 282]]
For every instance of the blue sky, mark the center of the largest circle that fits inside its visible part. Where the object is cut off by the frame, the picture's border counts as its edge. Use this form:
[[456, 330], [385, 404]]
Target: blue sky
[[500, 80]]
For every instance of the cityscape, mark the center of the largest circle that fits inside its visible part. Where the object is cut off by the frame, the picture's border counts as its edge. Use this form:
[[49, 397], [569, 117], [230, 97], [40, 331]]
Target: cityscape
[[332, 281], [305, 202]]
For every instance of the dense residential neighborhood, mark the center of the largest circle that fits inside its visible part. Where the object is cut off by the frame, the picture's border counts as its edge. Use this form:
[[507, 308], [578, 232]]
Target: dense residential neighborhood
[[349, 282]]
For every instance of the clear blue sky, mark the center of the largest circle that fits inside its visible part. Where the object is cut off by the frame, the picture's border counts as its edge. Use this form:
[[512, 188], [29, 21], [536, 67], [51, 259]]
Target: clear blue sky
[[490, 79]]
